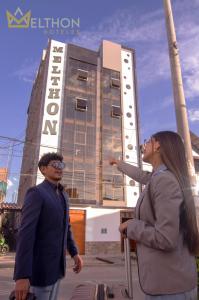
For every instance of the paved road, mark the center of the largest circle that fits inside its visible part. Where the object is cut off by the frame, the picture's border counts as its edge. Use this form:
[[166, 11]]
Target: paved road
[[100, 273]]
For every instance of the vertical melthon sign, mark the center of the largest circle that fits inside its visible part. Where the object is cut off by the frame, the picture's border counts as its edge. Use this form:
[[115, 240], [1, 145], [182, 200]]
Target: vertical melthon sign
[[52, 116]]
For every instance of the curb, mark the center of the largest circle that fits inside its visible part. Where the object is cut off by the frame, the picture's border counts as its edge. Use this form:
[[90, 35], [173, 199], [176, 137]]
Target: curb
[[88, 261]]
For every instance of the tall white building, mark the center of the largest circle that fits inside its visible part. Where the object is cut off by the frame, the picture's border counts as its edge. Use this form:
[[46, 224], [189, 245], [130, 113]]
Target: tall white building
[[84, 105]]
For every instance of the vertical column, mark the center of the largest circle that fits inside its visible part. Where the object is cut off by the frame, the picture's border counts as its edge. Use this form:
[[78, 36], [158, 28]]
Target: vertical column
[[98, 137], [130, 141], [52, 116]]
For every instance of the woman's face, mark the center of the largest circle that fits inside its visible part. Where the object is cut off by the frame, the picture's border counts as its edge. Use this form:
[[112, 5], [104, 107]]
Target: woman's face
[[150, 148]]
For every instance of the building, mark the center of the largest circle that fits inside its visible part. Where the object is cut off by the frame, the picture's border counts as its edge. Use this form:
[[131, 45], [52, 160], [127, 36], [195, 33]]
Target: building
[[195, 152], [83, 104]]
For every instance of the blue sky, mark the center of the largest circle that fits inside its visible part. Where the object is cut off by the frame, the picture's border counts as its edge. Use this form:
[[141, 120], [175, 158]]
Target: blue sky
[[138, 24]]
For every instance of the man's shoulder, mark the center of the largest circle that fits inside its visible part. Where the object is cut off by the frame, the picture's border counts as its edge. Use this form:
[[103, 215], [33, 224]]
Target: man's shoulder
[[35, 192], [43, 184], [32, 189], [36, 189]]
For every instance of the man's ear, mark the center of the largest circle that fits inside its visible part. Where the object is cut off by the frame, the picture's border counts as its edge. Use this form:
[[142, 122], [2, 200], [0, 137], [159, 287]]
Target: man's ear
[[42, 170]]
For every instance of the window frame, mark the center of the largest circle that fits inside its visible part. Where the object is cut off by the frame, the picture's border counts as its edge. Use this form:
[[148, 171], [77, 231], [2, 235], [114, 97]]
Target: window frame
[[79, 108], [117, 116], [113, 83], [81, 77]]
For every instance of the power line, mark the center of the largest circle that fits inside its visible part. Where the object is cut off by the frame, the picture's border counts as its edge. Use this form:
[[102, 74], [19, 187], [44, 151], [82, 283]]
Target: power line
[[7, 147], [57, 148]]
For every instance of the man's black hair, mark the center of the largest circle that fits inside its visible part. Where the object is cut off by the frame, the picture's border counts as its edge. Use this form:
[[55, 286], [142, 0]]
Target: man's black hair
[[46, 158]]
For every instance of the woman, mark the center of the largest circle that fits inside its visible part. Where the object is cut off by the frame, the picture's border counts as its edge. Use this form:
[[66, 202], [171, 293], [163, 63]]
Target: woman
[[165, 226]]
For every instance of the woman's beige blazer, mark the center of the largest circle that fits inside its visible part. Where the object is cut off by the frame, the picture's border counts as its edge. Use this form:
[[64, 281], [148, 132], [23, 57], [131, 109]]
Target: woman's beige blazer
[[164, 262]]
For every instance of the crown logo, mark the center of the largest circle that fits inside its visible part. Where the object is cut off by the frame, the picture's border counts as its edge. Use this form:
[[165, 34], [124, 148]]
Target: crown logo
[[20, 21]]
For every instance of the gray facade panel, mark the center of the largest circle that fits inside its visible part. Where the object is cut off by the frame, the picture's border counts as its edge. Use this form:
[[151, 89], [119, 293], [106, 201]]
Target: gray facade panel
[[82, 54]]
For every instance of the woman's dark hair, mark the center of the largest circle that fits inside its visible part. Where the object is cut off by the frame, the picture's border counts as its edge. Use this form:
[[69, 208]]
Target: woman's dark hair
[[46, 158], [173, 155]]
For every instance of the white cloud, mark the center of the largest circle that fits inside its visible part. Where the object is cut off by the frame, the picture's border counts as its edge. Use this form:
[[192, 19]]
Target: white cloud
[[156, 125], [190, 65], [27, 71], [188, 36], [146, 32], [193, 115], [160, 104], [124, 27], [153, 66]]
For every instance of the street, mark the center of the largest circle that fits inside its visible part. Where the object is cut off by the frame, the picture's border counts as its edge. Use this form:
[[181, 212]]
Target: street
[[93, 272]]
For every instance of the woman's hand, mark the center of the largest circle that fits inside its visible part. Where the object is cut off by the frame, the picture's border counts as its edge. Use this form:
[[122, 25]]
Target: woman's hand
[[123, 229], [113, 161]]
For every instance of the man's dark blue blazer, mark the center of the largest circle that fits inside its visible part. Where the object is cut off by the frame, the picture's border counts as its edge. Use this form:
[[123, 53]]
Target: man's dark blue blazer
[[44, 236]]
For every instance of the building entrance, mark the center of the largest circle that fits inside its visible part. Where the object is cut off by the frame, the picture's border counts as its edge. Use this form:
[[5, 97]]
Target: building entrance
[[78, 223]]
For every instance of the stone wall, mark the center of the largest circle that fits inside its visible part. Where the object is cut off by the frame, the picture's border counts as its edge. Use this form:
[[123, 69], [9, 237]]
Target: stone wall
[[95, 248]]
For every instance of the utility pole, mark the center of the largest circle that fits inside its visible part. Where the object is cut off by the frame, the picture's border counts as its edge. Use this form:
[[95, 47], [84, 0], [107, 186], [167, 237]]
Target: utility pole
[[178, 91]]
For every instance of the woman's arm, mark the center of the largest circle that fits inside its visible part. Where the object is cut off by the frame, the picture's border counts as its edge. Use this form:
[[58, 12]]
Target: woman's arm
[[134, 172]]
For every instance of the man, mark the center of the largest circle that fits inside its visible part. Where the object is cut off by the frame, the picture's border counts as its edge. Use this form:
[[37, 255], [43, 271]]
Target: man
[[44, 235]]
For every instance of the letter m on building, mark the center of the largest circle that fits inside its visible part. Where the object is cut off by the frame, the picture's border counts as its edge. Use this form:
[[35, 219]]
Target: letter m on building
[[58, 49]]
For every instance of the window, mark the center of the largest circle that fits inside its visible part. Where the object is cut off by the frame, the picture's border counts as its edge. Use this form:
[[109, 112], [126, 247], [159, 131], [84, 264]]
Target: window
[[81, 104], [82, 75], [107, 192], [80, 127], [80, 138], [72, 192], [115, 83], [117, 181], [116, 111], [79, 175], [79, 186], [79, 151], [196, 164]]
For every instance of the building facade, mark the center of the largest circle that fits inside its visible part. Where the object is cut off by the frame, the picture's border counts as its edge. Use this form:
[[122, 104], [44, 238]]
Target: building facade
[[84, 105], [195, 152]]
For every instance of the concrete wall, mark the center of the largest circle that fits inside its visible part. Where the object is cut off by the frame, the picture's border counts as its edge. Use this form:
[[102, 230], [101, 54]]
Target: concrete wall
[[102, 225]]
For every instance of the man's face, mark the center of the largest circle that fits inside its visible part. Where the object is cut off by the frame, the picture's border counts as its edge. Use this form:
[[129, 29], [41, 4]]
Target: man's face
[[54, 170]]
